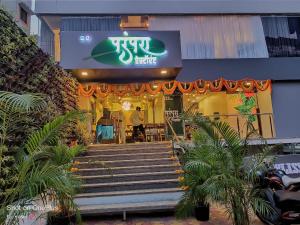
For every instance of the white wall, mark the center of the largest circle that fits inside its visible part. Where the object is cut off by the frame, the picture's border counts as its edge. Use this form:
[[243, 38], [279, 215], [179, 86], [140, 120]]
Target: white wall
[[208, 37]]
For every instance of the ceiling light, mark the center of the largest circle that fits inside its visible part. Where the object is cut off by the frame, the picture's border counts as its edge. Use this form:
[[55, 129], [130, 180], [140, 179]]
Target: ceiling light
[[164, 72], [84, 73], [126, 105]]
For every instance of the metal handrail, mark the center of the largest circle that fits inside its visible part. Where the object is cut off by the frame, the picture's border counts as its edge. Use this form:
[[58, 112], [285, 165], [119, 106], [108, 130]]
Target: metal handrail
[[172, 129], [260, 117], [174, 135], [228, 115]]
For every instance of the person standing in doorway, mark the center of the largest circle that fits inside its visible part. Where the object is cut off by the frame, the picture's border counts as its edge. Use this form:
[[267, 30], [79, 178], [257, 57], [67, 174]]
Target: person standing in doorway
[[137, 119], [122, 125]]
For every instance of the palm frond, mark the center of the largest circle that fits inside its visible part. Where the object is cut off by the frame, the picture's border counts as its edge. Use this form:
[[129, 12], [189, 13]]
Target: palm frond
[[261, 206], [228, 134], [197, 165], [36, 179], [205, 125], [215, 166], [185, 207], [63, 155], [22, 102], [76, 150], [50, 132]]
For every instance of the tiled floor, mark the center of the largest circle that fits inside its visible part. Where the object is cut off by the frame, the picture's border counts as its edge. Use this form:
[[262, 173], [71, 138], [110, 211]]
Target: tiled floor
[[217, 217]]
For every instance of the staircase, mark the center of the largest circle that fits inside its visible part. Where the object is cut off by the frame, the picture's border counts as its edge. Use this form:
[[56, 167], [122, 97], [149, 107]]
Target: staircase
[[128, 178]]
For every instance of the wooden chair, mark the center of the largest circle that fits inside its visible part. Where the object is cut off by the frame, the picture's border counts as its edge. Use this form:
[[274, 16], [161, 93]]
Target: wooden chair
[[151, 132], [162, 132]]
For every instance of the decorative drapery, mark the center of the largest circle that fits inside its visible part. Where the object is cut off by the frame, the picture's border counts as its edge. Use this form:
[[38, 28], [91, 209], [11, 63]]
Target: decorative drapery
[[210, 37], [169, 87]]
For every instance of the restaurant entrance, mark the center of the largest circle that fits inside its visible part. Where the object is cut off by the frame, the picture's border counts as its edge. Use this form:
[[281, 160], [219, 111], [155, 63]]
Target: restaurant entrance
[[110, 120], [110, 107]]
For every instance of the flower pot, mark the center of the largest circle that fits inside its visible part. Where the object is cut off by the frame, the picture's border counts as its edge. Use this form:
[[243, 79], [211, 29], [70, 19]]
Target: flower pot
[[202, 212], [59, 219]]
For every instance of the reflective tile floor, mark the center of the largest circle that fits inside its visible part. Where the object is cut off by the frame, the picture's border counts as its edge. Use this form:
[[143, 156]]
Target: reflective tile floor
[[217, 217]]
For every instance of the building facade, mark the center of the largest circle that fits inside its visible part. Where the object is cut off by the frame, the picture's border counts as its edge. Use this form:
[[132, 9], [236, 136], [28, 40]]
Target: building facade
[[21, 11], [169, 56]]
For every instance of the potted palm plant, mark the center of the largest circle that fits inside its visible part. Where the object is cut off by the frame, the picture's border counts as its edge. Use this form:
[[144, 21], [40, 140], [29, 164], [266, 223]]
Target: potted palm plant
[[65, 210], [194, 201], [41, 167], [215, 172]]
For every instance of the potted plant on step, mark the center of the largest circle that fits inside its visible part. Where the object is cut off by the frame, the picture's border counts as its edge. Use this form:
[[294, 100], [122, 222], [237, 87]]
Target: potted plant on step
[[193, 201], [66, 212], [41, 163], [214, 172]]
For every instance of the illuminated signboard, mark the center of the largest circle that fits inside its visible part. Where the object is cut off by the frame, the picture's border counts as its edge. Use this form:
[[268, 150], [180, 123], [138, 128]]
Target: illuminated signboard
[[120, 49], [129, 50]]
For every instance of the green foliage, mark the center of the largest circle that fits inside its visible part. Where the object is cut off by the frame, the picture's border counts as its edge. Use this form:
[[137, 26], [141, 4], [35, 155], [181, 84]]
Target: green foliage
[[50, 133], [30, 134], [82, 134], [39, 167], [14, 111], [64, 155], [245, 109], [26, 69], [215, 172]]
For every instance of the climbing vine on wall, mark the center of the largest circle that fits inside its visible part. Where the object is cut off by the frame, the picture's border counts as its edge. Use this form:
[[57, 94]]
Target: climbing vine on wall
[[24, 67]]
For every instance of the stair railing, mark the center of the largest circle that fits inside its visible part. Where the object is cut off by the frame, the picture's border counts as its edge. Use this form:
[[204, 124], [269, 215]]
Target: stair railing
[[174, 136]]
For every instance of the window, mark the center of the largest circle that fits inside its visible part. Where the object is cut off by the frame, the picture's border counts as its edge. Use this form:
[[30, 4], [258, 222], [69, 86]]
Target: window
[[23, 15], [282, 36], [134, 22]]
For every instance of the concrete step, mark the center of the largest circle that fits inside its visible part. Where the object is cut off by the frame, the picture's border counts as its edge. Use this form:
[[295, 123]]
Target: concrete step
[[129, 177], [125, 193], [124, 163], [127, 207], [128, 169], [129, 185], [132, 150], [122, 156], [132, 145], [125, 178]]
